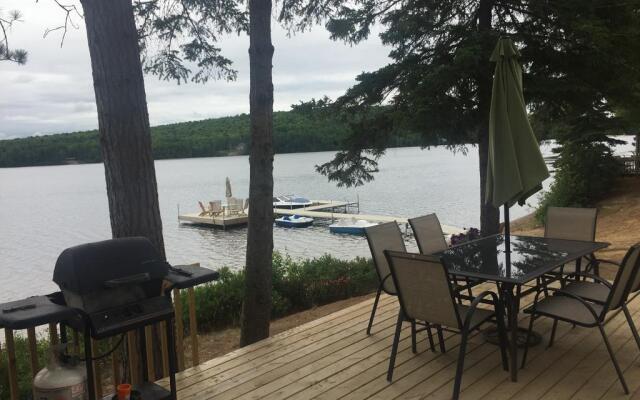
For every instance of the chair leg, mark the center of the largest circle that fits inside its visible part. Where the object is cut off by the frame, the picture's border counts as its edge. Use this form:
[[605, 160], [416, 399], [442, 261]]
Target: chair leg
[[430, 336], [627, 314], [460, 367], [613, 359], [394, 347], [553, 333], [441, 339], [373, 311], [414, 346], [532, 318]]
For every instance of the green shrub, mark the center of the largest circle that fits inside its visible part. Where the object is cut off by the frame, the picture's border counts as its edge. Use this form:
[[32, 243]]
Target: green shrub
[[297, 286], [584, 173], [218, 304]]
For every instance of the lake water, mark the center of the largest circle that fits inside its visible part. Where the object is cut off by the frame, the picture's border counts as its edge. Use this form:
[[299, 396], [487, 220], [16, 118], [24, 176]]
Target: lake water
[[44, 210]]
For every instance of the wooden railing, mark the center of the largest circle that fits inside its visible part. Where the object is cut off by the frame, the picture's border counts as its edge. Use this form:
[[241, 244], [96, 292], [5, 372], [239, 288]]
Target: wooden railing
[[105, 374]]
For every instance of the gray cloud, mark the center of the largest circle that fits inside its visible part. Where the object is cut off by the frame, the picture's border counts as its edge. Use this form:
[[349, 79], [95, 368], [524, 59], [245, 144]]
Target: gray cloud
[[54, 93]]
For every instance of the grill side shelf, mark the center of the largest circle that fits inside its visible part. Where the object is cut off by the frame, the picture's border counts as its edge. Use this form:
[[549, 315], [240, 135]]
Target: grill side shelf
[[37, 310], [186, 276]]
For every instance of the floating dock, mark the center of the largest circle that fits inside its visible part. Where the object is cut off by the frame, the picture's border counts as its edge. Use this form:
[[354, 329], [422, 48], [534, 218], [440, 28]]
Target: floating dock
[[218, 221], [224, 220], [321, 209]]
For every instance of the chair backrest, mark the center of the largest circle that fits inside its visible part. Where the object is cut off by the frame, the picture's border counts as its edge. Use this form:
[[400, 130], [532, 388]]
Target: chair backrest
[[571, 223], [380, 238], [234, 204], [428, 233], [424, 288], [204, 210], [635, 286], [626, 278], [215, 206]]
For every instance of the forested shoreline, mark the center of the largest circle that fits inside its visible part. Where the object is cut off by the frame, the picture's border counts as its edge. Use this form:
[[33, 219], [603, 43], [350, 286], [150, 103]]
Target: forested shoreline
[[293, 132]]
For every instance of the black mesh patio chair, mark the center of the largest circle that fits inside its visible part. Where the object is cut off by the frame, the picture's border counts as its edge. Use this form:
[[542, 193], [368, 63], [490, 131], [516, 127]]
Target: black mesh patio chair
[[573, 223], [430, 239], [426, 293], [428, 233], [569, 307], [599, 289], [383, 237], [570, 223]]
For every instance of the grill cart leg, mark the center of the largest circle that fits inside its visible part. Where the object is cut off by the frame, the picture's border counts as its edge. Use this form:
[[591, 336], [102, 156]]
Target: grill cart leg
[[88, 355], [172, 357], [143, 348]]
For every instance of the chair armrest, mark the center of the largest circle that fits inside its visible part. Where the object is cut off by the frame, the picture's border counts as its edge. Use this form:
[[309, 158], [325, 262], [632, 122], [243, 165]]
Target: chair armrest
[[384, 279], [540, 291], [588, 275], [474, 305], [602, 260]]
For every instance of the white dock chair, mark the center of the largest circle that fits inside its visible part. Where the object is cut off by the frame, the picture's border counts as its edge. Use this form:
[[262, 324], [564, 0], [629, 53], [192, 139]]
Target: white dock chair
[[215, 207], [203, 211], [245, 208], [234, 205]]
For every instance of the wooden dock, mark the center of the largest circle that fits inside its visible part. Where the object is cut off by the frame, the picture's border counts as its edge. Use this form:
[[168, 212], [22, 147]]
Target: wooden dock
[[218, 221], [321, 209], [224, 220]]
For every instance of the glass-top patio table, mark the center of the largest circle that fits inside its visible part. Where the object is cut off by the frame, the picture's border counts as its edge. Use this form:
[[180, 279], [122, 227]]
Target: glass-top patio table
[[529, 259]]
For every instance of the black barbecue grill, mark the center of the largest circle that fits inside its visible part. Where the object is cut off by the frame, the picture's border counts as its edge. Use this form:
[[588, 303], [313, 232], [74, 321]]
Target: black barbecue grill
[[109, 288], [116, 284]]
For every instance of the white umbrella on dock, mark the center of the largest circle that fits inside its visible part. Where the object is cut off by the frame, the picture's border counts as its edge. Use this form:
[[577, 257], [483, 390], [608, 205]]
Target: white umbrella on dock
[[228, 188]]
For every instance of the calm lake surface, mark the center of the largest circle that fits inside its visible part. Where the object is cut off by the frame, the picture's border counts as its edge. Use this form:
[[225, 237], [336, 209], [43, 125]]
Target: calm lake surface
[[44, 210]]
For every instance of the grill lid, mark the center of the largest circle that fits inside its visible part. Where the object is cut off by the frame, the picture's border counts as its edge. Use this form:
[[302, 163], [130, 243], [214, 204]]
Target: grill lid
[[98, 266]]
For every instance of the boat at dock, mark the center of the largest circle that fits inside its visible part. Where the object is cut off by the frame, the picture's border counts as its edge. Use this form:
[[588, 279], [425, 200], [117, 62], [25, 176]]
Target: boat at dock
[[291, 201], [351, 227], [294, 221]]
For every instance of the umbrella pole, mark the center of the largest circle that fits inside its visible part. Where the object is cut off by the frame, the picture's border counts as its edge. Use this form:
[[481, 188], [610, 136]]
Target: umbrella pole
[[507, 238]]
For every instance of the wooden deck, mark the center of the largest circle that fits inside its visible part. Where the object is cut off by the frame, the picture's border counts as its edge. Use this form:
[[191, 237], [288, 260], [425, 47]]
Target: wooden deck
[[333, 358]]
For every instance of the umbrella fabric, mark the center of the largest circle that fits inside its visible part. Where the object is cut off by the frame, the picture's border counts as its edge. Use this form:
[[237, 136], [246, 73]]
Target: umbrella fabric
[[516, 168], [228, 188]]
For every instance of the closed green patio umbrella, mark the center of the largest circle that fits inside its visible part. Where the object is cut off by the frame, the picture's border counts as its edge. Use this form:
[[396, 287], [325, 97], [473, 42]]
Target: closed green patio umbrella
[[516, 167]]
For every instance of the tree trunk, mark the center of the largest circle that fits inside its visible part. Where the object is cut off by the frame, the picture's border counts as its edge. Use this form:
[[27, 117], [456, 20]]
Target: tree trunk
[[637, 155], [125, 136], [489, 215], [256, 308]]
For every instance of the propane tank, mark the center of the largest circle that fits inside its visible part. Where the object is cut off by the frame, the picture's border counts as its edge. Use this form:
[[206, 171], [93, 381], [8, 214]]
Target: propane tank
[[64, 378]]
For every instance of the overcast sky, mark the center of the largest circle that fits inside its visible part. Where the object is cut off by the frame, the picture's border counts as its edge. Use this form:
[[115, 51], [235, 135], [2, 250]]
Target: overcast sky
[[53, 92]]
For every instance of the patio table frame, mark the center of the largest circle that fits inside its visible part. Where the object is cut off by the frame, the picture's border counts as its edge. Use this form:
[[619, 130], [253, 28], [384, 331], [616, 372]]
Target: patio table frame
[[510, 287]]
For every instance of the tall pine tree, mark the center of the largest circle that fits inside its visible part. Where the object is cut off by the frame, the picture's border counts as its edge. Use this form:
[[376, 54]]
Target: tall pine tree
[[579, 57]]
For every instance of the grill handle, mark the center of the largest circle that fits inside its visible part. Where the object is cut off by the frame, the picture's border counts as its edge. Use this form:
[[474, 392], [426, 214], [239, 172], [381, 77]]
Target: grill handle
[[128, 280]]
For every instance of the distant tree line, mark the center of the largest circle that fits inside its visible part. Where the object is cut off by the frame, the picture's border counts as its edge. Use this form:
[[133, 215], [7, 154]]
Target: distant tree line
[[293, 132]]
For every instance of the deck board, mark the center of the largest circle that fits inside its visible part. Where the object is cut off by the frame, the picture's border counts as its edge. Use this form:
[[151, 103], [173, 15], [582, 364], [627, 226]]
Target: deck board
[[333, 358]]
